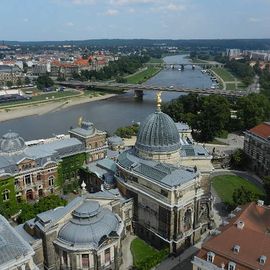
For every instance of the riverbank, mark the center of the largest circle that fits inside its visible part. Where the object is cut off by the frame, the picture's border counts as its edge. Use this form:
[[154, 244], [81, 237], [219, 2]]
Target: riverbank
[[53, 106]]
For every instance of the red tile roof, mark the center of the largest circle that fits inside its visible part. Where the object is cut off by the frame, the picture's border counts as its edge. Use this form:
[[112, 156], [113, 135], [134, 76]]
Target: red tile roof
[[253, 239], [262, 130]]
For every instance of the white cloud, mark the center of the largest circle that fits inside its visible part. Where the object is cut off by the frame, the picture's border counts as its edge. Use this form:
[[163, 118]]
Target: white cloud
[[82, 2], [128, 2], [131, 10], [70, 24], [111, 12], [171, 7], [254, 19], [175, 7]]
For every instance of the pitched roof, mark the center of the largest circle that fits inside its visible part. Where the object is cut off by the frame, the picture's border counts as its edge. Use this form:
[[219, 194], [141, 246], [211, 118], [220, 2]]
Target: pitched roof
[[253, 239], [262, 130], [13, 248]]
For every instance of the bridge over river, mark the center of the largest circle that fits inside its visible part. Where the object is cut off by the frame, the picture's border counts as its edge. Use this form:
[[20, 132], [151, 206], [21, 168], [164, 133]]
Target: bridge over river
[[140, 88]]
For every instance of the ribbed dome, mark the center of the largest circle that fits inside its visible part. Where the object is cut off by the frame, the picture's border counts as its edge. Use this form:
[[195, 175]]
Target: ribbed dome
[[158, 133], [11, 142], [89, 226]]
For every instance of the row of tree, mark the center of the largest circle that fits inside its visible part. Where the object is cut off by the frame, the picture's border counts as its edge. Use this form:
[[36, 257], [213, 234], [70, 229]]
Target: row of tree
[[115, 69], [29, 211], [213, 115]]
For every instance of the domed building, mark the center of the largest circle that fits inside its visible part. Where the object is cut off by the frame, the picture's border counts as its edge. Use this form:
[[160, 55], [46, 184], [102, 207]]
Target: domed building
[[31, 172], [85, 234], [11, 142], [170, 207]]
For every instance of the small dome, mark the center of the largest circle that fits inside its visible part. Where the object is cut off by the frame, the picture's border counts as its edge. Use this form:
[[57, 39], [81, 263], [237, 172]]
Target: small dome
[[90, 224], [88, 126], [115, 140], [11, 142], [158, 133]]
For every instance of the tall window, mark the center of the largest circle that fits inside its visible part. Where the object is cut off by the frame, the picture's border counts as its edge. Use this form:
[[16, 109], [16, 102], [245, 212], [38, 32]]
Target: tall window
[[107, 255], [5, 195], [27, 179], [65, 258], [38, 177], [51, 180], [85, 261]]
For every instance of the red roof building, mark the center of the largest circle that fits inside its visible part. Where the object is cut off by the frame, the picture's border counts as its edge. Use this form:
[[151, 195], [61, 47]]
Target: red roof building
[[241, 243]]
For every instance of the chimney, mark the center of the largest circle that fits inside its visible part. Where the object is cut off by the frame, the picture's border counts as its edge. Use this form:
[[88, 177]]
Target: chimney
[[260, 203]]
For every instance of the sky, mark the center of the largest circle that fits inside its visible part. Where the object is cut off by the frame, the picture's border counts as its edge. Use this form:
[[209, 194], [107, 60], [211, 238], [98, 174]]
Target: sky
[[36, 20]]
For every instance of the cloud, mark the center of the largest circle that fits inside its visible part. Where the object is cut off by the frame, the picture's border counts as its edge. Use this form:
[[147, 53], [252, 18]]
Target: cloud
[[111, 12], [254, 19], [70, 24], [82, 2], [175, 7], [26, 20], [128, 2], [171, 7]]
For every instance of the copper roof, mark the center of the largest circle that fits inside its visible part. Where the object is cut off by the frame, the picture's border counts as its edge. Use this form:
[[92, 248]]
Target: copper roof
[[262, 130], [253, 239]]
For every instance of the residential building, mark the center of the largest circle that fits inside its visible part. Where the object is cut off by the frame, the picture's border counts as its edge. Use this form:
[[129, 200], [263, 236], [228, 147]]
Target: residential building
[[15, 252], [257, 147], [40, 69], [9, 74], [241, 243]]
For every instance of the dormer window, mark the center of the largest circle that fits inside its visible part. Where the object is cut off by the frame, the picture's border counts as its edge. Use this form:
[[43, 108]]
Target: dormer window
[[236, 249], [262, 260], [231, 266], [240, 225], [210, 256]]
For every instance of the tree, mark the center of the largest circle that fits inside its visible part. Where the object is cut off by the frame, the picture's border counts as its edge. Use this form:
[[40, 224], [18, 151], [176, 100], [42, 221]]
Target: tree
[[29, 211], [242, 196], [9, 84], [252, 110], [19, 82], [44, 81], [27, 80], [239, 159], [214, 116]]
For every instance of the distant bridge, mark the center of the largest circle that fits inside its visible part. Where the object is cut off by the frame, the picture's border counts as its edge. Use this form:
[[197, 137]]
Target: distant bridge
[[200, 64], [139, 88]]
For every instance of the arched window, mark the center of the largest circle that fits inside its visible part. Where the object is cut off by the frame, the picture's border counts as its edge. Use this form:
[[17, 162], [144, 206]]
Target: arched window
[[188, 220], [51, 180], [5, 194]]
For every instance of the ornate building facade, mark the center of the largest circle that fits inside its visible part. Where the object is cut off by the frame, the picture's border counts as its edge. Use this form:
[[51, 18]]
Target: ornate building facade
[[170, 207], [31, 172], [85, 234], [93, 140]]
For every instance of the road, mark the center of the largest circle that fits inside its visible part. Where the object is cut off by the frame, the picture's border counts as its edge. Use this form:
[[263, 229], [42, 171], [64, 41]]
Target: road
[[142, 87]]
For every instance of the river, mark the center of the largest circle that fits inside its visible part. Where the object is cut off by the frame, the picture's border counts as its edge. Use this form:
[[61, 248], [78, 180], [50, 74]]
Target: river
[[111, 113]]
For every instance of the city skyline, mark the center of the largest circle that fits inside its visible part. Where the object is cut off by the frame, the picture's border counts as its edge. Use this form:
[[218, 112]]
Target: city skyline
[[160, 19]]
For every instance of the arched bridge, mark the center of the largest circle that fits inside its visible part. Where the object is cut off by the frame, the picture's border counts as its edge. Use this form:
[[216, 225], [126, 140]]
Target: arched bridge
[[139, 88]]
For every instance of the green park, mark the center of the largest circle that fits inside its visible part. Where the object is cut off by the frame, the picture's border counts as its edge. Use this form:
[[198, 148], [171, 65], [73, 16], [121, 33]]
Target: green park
[[145, 257], [233, 189]]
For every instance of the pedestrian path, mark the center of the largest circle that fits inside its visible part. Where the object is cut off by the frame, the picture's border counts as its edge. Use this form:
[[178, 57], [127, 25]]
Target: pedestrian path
[[126, 253]]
